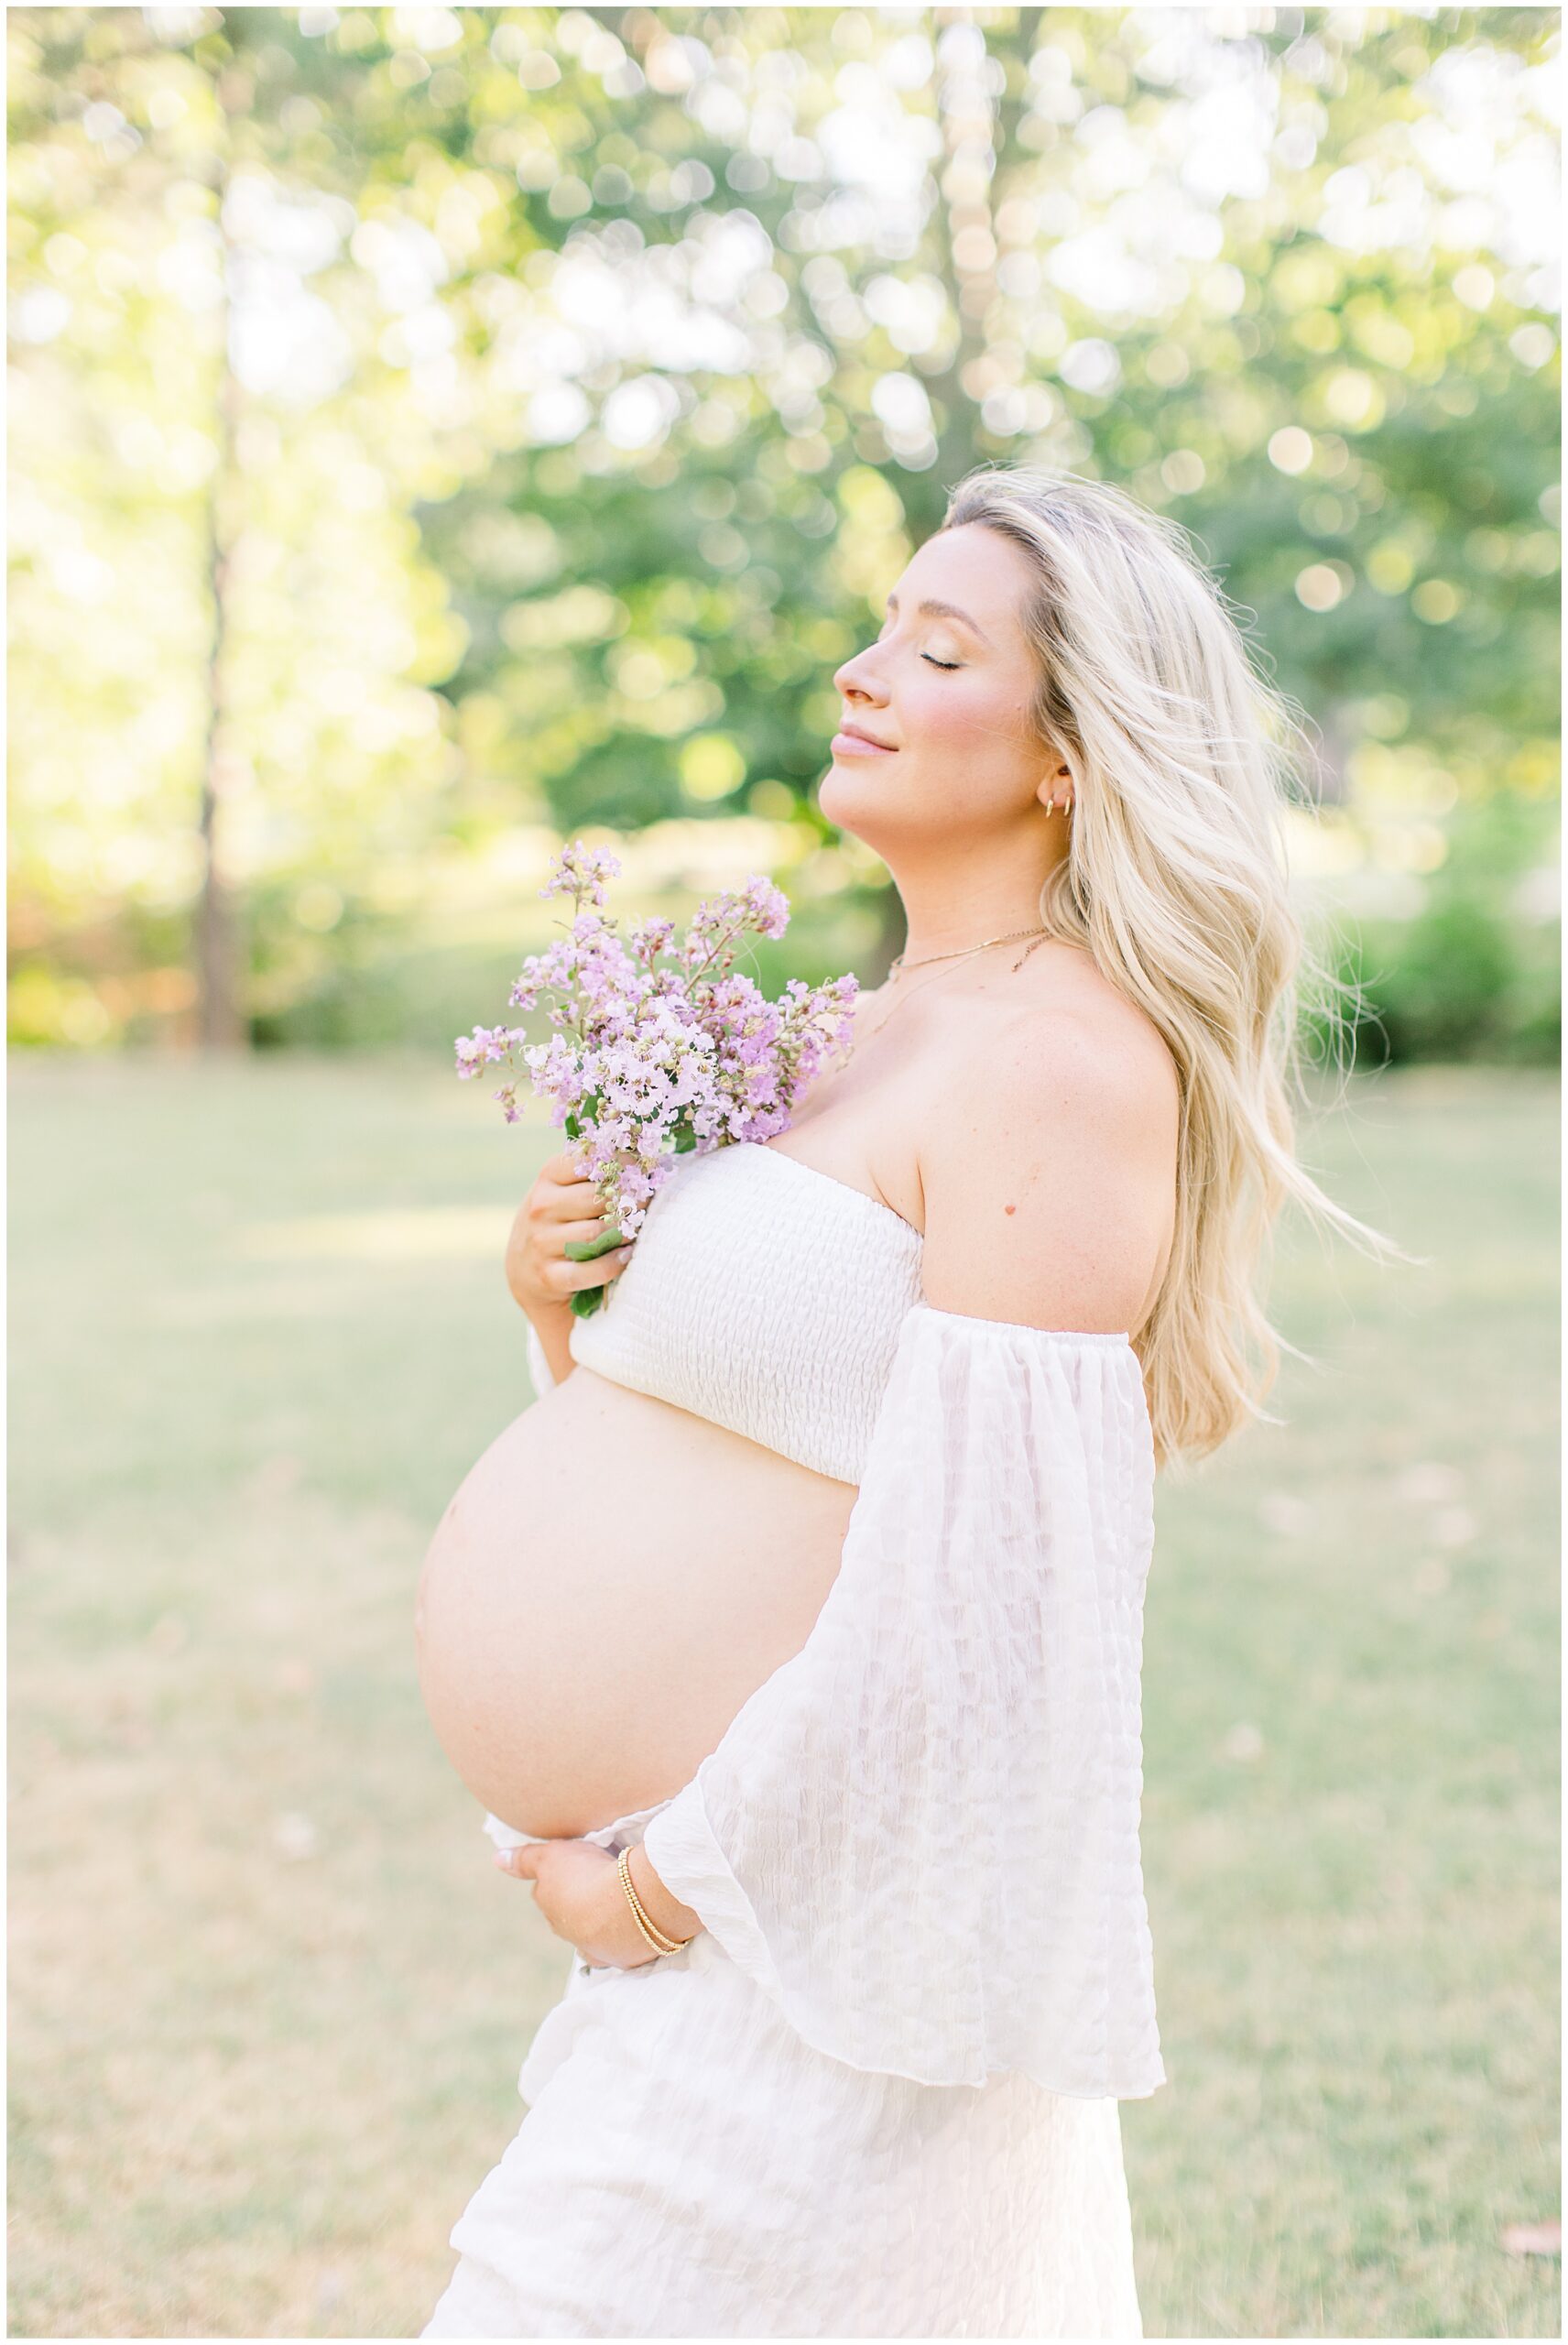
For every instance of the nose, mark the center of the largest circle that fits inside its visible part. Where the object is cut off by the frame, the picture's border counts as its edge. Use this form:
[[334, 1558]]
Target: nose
[[857, 679]]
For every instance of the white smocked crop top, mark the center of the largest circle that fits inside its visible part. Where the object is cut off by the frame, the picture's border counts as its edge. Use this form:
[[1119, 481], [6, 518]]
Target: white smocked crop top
[[766, 1296], [920, 1837]]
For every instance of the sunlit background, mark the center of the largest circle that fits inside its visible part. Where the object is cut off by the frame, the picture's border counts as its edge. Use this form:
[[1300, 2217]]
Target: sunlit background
[[434, 431], [437, 433]]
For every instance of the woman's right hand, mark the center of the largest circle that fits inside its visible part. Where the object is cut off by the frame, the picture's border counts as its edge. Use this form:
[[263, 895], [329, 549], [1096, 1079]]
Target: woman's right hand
[[558, 1208]]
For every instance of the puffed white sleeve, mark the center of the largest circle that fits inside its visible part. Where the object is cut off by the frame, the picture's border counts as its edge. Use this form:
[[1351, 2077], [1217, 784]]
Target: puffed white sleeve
[[920, 1835]]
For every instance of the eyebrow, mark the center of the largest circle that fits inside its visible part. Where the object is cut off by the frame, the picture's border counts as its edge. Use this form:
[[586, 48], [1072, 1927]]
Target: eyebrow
[[947, 611]]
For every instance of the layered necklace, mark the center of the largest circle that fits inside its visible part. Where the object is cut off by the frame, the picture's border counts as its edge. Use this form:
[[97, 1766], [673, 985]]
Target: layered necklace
[[898, 966]]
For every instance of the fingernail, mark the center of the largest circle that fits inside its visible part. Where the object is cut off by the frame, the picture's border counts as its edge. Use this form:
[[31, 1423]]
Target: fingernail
[[504, 1859], [624, 1254]]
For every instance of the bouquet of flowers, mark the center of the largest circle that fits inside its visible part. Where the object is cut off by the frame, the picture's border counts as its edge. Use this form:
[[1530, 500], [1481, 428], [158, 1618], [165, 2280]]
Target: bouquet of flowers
[[661, 1047]]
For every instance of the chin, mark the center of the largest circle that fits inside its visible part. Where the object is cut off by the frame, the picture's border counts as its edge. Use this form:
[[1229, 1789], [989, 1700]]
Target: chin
[[864, 802], [854, 804]]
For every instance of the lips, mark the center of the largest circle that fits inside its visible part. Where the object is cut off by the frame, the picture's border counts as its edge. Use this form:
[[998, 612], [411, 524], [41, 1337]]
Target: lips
[[850, 742]]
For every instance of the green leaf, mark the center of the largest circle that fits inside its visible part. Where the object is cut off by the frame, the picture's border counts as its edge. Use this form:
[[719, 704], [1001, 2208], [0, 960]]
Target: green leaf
[[588, 1249]]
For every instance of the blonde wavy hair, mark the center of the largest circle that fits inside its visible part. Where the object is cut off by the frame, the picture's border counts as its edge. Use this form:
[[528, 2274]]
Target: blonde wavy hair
[[1181, 758]]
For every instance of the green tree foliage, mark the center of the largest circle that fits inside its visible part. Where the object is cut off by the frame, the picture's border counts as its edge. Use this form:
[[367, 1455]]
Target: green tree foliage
[[615, 360]]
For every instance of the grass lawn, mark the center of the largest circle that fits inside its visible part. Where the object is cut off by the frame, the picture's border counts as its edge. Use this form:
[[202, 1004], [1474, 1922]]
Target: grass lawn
[[268, 1996]]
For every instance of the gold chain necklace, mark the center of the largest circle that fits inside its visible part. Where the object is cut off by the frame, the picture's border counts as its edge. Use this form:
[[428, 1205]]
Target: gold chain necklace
[[895, 969], [897, 964]]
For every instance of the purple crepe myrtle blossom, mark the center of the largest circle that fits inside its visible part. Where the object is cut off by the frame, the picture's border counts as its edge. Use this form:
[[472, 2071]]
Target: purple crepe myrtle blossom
[[661, 1047]]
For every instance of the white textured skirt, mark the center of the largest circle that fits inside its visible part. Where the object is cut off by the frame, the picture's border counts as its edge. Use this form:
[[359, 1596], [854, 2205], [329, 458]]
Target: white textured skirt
[[688, 2167]]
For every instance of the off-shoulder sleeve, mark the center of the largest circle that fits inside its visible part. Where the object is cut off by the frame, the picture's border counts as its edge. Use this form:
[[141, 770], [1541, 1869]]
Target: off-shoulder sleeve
[[920, 1835]]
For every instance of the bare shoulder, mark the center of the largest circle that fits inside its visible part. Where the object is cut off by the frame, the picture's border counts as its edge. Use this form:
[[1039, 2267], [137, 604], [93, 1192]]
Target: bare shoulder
[[1048, 1170]]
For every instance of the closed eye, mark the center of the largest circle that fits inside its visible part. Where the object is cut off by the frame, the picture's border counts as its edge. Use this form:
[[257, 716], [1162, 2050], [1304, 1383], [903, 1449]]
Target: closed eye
[[949, 664]]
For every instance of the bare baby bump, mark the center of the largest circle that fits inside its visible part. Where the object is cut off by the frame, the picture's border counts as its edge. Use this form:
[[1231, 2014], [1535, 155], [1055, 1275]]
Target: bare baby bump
[[611, 1583]]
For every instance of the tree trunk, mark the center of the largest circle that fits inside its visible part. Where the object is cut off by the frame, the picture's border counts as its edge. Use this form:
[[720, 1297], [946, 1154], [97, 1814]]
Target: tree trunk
[[219, 1016], [971, 123]]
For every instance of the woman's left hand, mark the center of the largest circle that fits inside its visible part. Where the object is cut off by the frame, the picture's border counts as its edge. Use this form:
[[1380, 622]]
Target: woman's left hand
[[577, 1888]]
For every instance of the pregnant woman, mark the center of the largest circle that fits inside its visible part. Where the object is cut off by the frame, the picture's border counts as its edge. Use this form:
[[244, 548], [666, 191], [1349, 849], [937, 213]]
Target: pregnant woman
[[793, 1637]]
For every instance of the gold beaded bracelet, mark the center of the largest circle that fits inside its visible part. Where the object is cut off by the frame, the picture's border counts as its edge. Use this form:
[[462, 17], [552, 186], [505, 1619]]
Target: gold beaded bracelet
[[640, 1914]]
